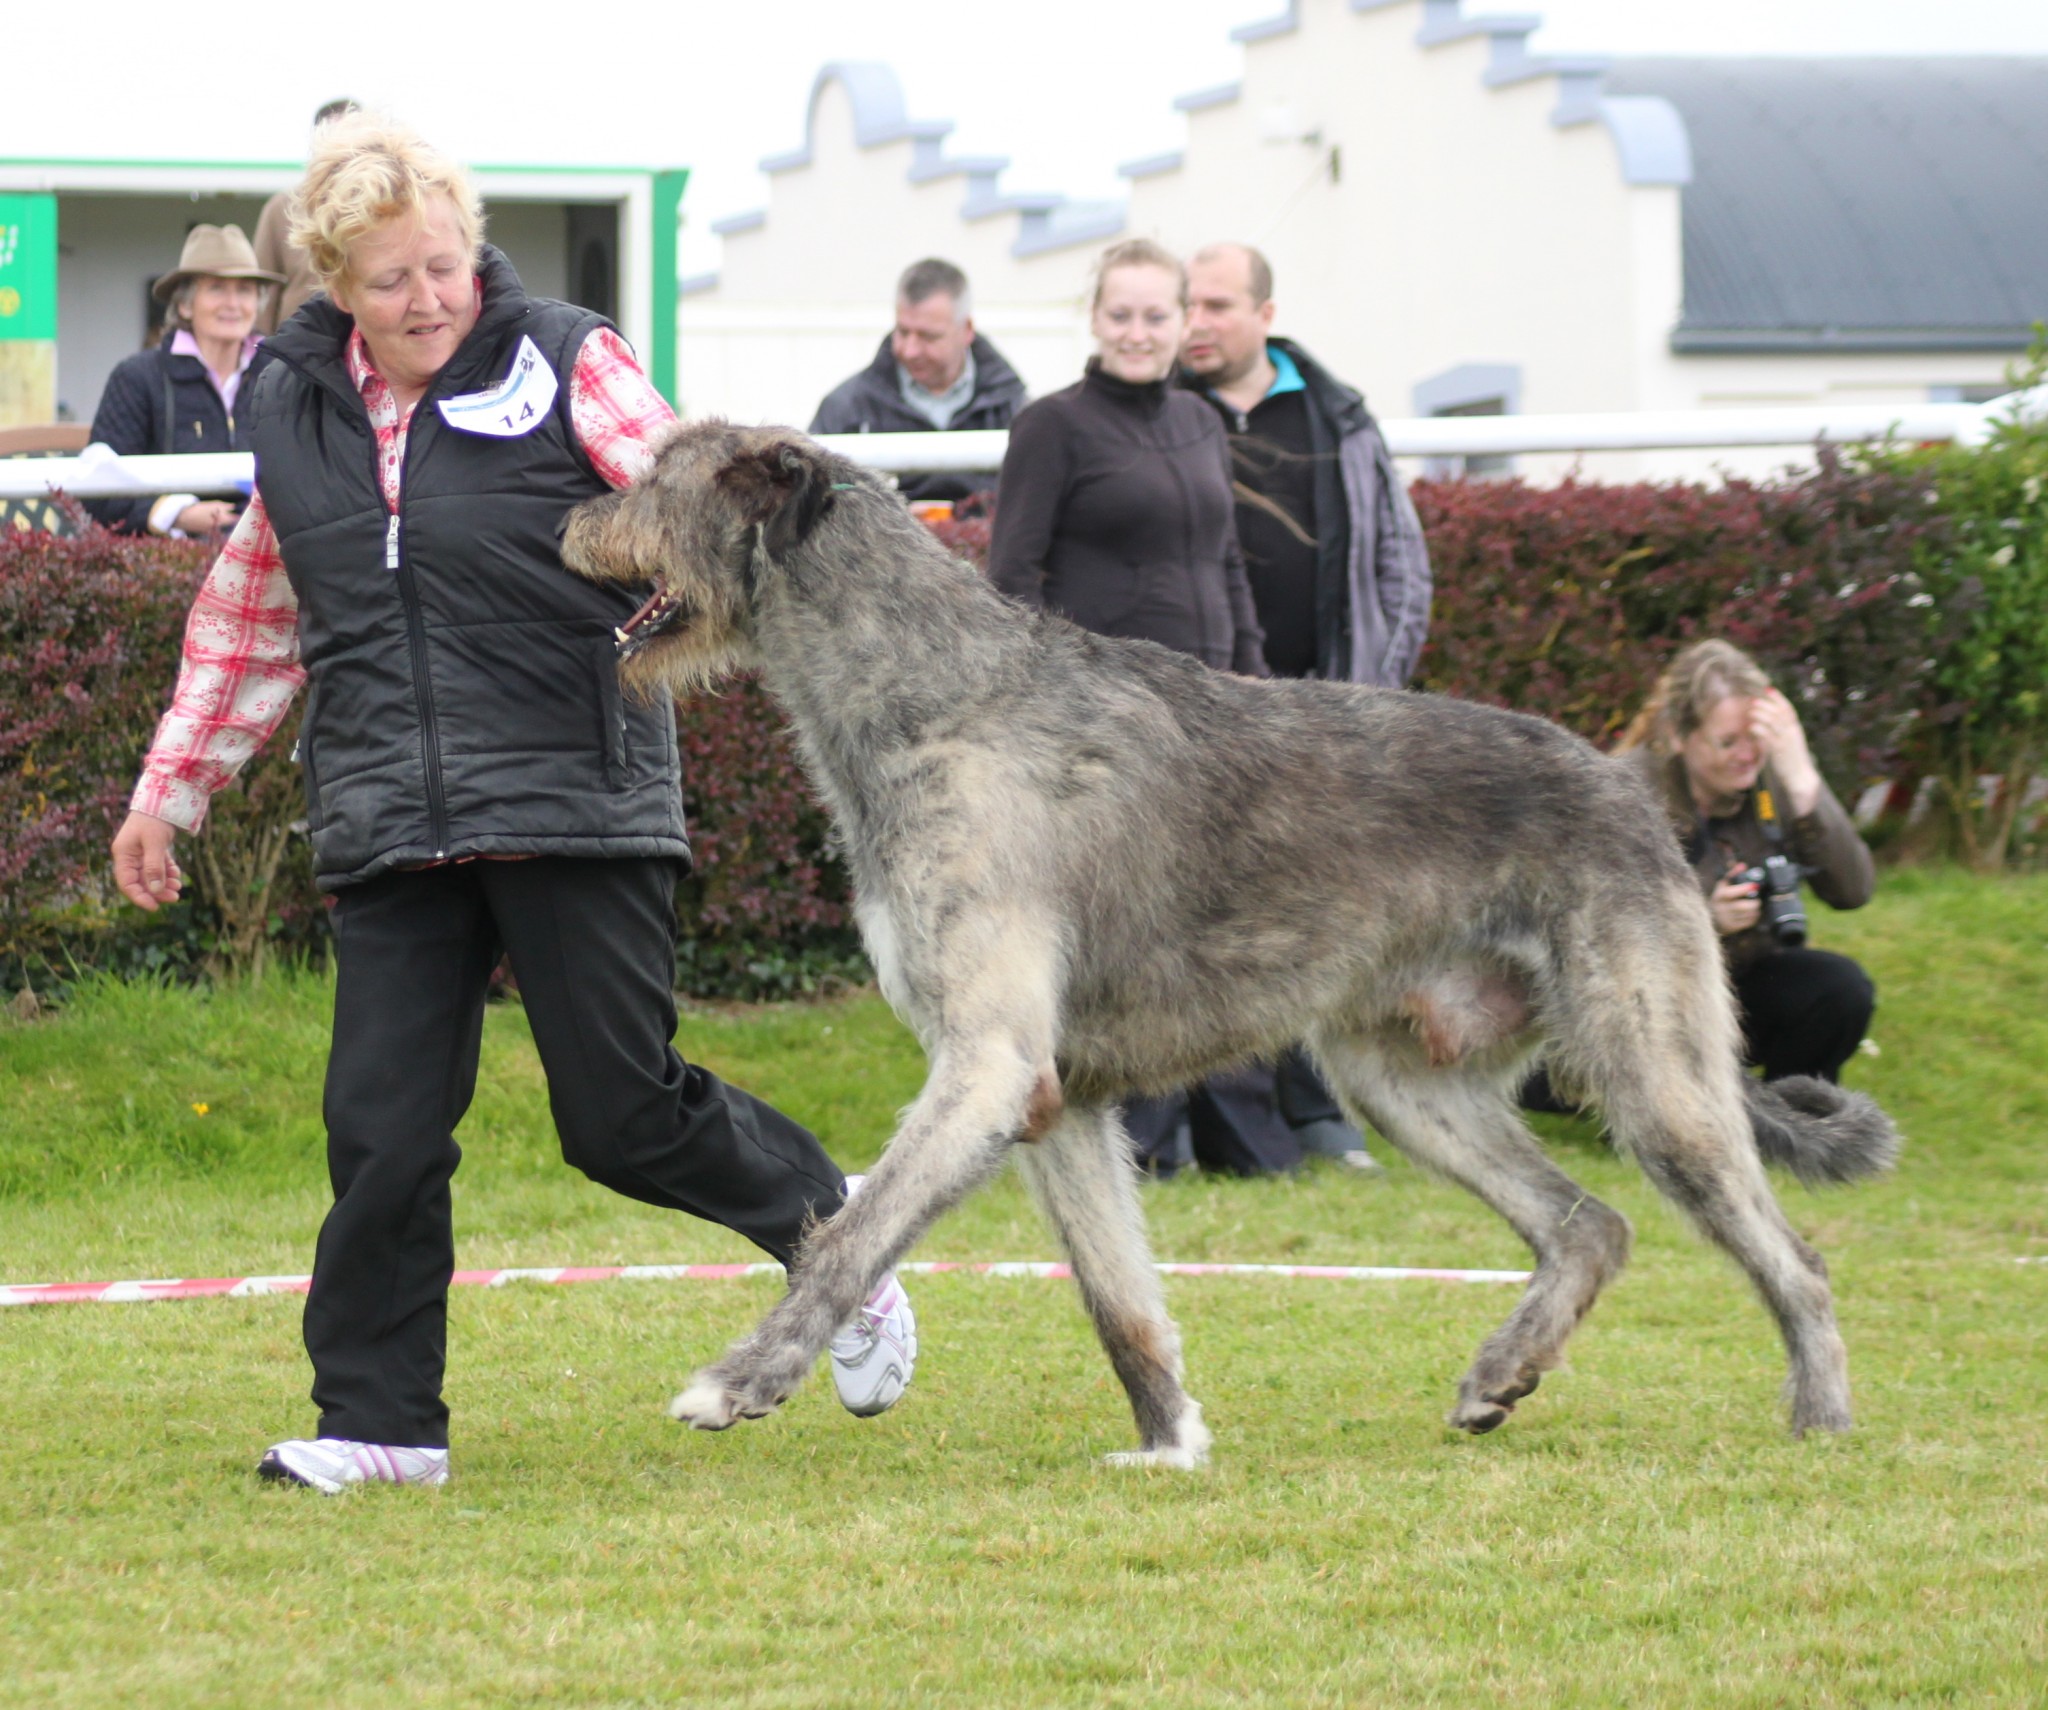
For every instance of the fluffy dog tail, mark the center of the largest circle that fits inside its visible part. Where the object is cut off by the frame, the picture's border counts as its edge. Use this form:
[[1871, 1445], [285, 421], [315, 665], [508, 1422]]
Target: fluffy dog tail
[[1819, 1132]]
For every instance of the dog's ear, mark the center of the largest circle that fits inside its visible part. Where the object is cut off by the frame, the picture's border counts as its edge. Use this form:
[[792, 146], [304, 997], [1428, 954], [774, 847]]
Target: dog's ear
[[783, 488]]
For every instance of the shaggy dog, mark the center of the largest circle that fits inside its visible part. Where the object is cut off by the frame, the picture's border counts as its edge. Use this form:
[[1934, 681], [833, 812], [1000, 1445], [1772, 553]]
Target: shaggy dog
[[1087, 867]]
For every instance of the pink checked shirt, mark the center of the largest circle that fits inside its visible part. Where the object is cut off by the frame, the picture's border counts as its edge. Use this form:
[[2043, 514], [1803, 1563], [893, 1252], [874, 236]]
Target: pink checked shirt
[[241, 660]]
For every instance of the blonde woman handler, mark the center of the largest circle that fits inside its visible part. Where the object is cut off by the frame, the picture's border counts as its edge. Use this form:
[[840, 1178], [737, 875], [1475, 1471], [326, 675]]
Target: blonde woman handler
[[475, 782]]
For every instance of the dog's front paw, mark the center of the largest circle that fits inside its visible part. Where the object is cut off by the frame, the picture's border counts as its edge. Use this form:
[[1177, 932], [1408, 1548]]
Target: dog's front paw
[[1186, 1450], [707, 1405], [1175, 1459], [1479, 1416], [717, 1399], [1485, 1406]]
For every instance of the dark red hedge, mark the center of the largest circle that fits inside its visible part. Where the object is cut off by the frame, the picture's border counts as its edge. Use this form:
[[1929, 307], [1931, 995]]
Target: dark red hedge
[[1560, 601]]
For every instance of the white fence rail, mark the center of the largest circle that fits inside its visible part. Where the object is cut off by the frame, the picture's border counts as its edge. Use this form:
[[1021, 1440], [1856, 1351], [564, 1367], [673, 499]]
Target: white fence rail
[[98, 474]]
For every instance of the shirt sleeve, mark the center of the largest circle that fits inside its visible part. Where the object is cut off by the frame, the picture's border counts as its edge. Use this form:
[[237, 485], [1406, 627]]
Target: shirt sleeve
[[1402, 576], [1827, 841], [235, 682], [621, 421]]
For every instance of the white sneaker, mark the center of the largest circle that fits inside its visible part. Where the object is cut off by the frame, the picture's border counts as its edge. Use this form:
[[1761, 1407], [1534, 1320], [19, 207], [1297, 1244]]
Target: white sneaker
[[873, 1357], [331, 1464]]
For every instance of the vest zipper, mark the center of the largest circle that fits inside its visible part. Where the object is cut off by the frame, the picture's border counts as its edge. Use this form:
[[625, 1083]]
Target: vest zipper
[[396, 559]]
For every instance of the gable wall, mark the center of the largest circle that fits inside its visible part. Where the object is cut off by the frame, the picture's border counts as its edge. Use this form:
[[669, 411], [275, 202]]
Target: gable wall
[[1464, 228]]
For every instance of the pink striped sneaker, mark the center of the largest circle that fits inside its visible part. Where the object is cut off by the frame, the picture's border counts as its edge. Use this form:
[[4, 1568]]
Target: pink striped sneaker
[[873, 1357], [331, 1464]]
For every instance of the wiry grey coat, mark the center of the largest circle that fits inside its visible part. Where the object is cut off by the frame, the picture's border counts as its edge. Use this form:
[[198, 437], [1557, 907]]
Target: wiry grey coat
[[1086, 867]]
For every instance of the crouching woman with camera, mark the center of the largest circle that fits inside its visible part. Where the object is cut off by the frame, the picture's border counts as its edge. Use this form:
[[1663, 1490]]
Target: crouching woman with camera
[[1725, 753]]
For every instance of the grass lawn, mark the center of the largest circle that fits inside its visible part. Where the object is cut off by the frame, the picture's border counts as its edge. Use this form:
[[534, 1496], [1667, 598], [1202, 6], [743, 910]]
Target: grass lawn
[[1642, 1532]]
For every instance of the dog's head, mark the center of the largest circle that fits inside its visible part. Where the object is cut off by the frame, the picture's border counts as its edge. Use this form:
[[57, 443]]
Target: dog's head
[[714, 517]]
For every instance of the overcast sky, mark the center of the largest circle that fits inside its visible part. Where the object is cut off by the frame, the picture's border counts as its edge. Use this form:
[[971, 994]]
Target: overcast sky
[[1066, 88]]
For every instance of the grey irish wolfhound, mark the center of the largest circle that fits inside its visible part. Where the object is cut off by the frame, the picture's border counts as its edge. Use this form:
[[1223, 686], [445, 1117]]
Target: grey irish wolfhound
[[1087, 867]]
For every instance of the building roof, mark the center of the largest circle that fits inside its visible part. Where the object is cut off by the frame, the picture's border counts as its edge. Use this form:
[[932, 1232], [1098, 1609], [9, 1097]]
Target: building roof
[[1859, 204]]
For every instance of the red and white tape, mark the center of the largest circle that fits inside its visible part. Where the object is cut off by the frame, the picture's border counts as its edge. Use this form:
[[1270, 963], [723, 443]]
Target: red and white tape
[[194, 1288]]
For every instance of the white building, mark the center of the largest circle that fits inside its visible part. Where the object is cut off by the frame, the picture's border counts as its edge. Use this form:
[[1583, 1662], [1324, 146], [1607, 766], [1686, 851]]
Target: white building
[[1455, 225]]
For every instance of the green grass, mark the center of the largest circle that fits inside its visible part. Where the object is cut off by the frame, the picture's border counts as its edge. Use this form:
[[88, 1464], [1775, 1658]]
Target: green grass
[[1642, 1533]]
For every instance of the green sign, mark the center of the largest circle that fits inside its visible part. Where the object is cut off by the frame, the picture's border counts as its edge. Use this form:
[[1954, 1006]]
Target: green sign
[[28, 267]]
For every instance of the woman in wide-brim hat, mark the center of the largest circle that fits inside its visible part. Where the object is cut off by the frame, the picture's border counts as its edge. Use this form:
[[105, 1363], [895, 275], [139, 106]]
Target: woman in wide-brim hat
[[181, 394]]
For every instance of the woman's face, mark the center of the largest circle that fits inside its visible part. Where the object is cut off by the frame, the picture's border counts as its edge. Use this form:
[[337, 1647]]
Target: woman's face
[[411, 286], [223, 309], [1723, 757], [1138, 322]]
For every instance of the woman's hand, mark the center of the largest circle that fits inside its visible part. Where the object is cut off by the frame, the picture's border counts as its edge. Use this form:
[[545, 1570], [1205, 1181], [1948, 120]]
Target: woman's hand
[[1780, 735], [1736, 906], [207, 516], [143, 867]]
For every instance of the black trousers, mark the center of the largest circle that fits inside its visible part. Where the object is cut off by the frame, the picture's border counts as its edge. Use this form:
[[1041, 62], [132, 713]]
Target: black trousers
[[1803, 1012], [1242, 1123], [592, 944]]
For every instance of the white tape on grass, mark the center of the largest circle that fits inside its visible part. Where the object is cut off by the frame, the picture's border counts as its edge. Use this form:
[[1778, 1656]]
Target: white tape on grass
[[195, 1288]]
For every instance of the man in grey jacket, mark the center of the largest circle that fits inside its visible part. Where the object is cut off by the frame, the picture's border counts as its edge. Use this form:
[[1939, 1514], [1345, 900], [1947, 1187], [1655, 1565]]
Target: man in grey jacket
[[1335, 554]]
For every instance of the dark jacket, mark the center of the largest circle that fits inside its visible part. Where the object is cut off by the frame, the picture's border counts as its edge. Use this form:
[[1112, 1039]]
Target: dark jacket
[[1825, 840], [274, 250], [155, 404], [1373, 580], [464, 697], [872, 402], [1115, 510]]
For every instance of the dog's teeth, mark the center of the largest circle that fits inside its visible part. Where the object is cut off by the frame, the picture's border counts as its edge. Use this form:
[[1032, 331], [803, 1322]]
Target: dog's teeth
[[622, 635]]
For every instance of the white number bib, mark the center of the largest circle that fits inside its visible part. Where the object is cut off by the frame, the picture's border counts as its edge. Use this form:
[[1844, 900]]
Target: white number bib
[[517, 405]]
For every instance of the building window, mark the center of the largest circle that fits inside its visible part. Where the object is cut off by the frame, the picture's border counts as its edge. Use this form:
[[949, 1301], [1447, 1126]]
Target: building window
[[1973, 393], [1471, 389]]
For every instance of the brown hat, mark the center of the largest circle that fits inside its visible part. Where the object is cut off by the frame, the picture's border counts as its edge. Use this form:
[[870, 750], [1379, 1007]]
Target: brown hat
[[219, 252]]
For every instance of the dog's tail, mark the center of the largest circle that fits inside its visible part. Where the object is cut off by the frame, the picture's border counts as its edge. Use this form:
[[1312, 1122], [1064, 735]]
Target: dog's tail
[[1818, 1131]]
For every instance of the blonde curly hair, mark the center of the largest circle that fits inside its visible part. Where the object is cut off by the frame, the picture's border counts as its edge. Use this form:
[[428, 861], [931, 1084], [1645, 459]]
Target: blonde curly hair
[[1692, 686], [366, 170]]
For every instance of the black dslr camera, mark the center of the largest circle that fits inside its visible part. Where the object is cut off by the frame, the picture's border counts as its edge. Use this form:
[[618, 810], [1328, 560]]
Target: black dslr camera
[[1777, 888]]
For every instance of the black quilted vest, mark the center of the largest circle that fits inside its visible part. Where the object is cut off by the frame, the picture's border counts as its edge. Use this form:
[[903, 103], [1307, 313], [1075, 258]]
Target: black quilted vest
[[463, 695]]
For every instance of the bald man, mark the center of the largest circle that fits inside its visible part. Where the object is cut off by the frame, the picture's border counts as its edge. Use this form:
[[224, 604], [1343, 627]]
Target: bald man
[[1338, 567]]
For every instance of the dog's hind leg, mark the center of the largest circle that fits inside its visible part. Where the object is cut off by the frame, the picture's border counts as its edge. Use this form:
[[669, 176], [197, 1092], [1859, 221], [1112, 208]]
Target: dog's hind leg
[[953, 1139], [1082, 1177], [1669, 1083], [1460, 1123], [1693, 1141]]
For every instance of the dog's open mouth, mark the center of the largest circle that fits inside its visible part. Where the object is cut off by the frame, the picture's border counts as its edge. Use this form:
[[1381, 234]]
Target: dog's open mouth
[[662, 612]]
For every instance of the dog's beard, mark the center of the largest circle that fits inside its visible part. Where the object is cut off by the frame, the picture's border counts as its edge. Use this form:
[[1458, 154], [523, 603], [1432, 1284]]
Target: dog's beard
[[684, 660]]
